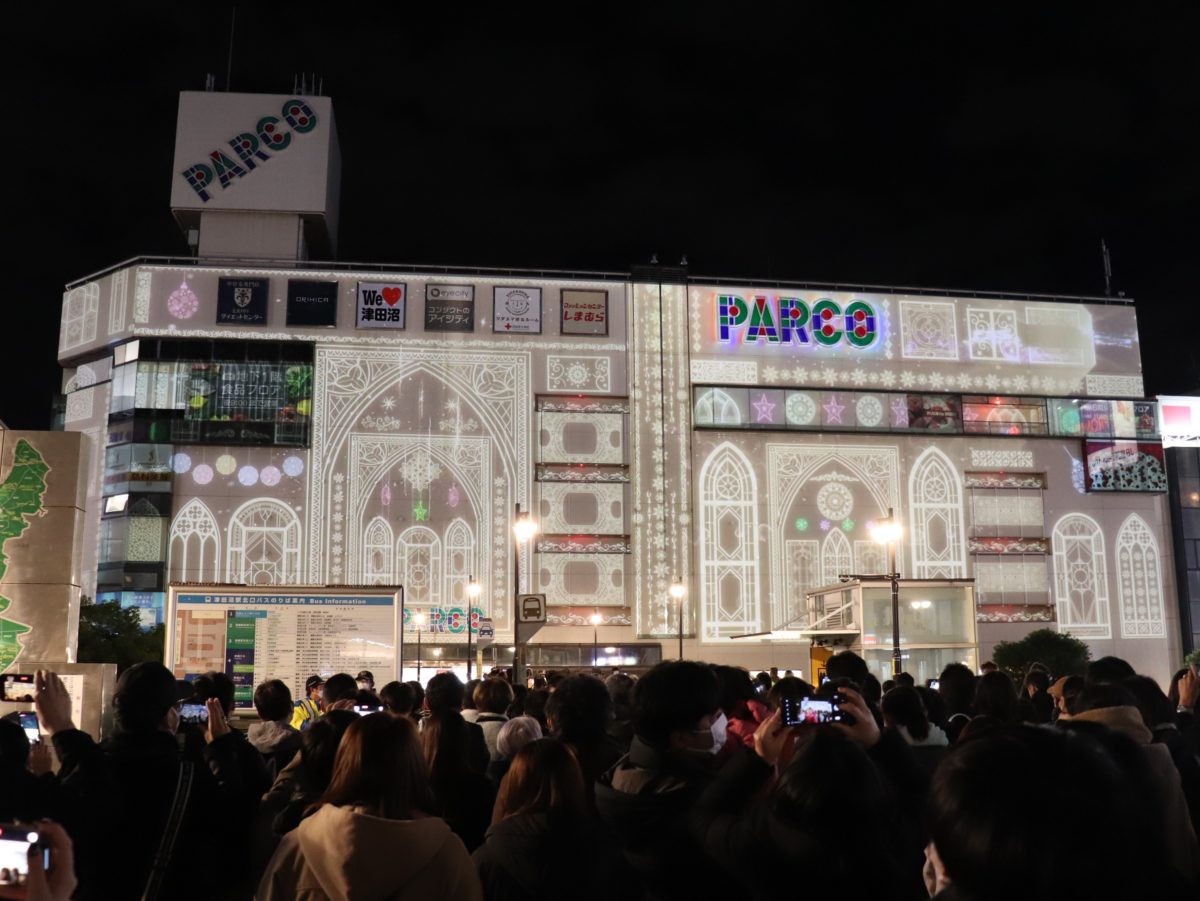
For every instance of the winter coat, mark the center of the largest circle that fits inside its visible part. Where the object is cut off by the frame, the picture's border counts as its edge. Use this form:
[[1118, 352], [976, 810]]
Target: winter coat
[[491, 724], [545, 856], [645, 801], [343, 853], [277, 742], [120, 796]]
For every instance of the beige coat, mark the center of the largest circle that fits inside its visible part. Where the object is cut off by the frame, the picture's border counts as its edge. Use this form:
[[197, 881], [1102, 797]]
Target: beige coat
[[343, 854]]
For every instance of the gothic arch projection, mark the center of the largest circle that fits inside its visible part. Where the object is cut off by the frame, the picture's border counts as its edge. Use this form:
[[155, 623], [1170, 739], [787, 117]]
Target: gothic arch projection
[[1080, 578], [418, 555], [460, 562], [377, 553], [836, 557], [1139, 580], [729, 596], [718, 408], [264, 544], [936, 518], [195, 544]]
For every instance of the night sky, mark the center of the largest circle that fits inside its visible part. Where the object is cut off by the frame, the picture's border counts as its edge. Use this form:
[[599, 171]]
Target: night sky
[[910, 149]]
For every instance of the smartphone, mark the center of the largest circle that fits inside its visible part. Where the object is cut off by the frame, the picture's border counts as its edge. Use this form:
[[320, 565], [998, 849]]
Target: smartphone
[[15, 842], [18, 687], [935, 684], [197, 714], [364, 709], [29, 723], [813, 711]]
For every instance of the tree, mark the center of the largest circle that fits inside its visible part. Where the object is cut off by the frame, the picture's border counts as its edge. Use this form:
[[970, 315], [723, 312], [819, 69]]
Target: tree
[[1062, 653], [110, 633]]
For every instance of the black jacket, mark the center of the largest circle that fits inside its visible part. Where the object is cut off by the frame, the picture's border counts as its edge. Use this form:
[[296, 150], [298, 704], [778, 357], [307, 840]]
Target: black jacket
[[119, 797], [544, 857], [645, 801]]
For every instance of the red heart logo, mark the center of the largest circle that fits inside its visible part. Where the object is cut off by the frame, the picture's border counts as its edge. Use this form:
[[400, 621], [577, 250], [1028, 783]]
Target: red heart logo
[[392, 296]]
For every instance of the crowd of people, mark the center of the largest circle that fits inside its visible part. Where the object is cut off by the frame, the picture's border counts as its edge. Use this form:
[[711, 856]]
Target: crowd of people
[[689, 782]]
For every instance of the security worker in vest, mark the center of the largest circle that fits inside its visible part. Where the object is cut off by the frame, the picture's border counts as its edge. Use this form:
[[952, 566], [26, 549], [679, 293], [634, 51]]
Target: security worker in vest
[[308, 708]]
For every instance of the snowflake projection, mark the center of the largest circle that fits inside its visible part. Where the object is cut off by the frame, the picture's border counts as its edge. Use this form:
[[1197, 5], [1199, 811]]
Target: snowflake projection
[[770, 374], [835, 501], [801, 524], [992, 382], [270, 476], [869, 411], [1020, 384], [824, 525], [847, 525], [888, 378], [202, 474], [293, 466], [828, 375], [907, 380], [181, 463], [389, 403], [937, 380], [420, 471], [800, 409], [858, 377], [183, 303]]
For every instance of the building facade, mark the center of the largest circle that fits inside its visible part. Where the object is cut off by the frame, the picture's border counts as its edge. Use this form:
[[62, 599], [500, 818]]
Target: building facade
[[292, 423]]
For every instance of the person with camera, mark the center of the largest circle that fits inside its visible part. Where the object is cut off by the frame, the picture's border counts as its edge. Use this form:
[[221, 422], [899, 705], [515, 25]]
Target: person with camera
[[140, 812], [830, 809]]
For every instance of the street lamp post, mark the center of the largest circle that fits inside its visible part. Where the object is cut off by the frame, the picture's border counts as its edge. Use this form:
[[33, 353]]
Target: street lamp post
[[419, 620], [887, 531], [679, 591], [596, 619], [473, 590], [524, 528]]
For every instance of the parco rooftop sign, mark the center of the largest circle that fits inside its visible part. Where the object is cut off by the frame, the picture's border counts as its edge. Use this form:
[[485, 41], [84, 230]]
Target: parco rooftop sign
[[250, 148], [789, 320]]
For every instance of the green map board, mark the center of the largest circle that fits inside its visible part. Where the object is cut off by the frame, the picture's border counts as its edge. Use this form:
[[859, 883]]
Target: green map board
[[21, 496]]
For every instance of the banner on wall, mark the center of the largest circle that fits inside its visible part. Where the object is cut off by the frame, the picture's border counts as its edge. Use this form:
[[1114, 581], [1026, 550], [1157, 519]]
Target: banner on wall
[[311, 303], [449, 308], [584, 312], [381, 305], [242, 301], [517, 310], [1179, 421]]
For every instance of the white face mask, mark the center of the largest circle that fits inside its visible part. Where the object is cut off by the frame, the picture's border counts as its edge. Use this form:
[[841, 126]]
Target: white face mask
[[364, 686]]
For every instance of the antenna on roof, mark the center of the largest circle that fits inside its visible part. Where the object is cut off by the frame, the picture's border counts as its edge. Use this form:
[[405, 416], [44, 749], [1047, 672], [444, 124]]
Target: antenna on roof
[[1107, 269], [210, 83]]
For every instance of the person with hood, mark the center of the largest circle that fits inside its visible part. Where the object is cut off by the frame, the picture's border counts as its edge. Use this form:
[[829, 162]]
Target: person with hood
[[904, 711], [273, 736], [543, 838], [371, 835], [647, 797]]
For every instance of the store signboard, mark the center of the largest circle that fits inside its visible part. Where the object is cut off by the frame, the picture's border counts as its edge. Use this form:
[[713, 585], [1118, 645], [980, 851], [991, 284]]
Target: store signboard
[[242, 301], [517, 311], [311, 303], [1179, 421], [381, 305], [449, 308], [584, 312]]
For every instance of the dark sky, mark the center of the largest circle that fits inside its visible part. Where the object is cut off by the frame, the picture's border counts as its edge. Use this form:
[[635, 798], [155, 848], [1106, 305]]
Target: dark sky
[[991, 152]]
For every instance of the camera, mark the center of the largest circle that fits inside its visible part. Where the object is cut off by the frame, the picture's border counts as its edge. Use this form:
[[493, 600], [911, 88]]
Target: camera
[[823, 707]]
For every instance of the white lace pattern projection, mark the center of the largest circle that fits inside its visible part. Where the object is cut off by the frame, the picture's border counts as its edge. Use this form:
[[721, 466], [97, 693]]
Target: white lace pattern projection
[[1115, 386], [869, 411], [1002, 459], [264, 544], [591, 580], [582, 438], [117, 301], [724, 372], [195, 548], [835, 502], [836, 557], [718, 408], [993, 335], [729, 593], [1006, 509], [1139, 580], [80, 312], [561, 503], [1080, 577], [929, 330], [870, 474], [582, 373], [939, 544], [800, 409]]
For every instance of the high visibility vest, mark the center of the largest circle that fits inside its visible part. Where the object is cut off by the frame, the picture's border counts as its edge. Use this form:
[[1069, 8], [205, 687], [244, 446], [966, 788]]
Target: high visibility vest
[[305, 714]]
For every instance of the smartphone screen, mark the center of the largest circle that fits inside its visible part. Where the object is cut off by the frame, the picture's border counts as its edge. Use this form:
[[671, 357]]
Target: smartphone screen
[[18, 687], [364, 709], [14, 854], [29, 723], [193, 713], [935, 684], [820, 710]]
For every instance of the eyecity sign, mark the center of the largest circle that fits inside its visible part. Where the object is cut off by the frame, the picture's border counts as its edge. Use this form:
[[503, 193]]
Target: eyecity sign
[[250, 148], [789, 320]]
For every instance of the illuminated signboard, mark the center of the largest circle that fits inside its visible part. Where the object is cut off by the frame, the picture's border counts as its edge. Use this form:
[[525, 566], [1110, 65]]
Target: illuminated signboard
[[789, 320], [250, 148], [1179, 421]]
